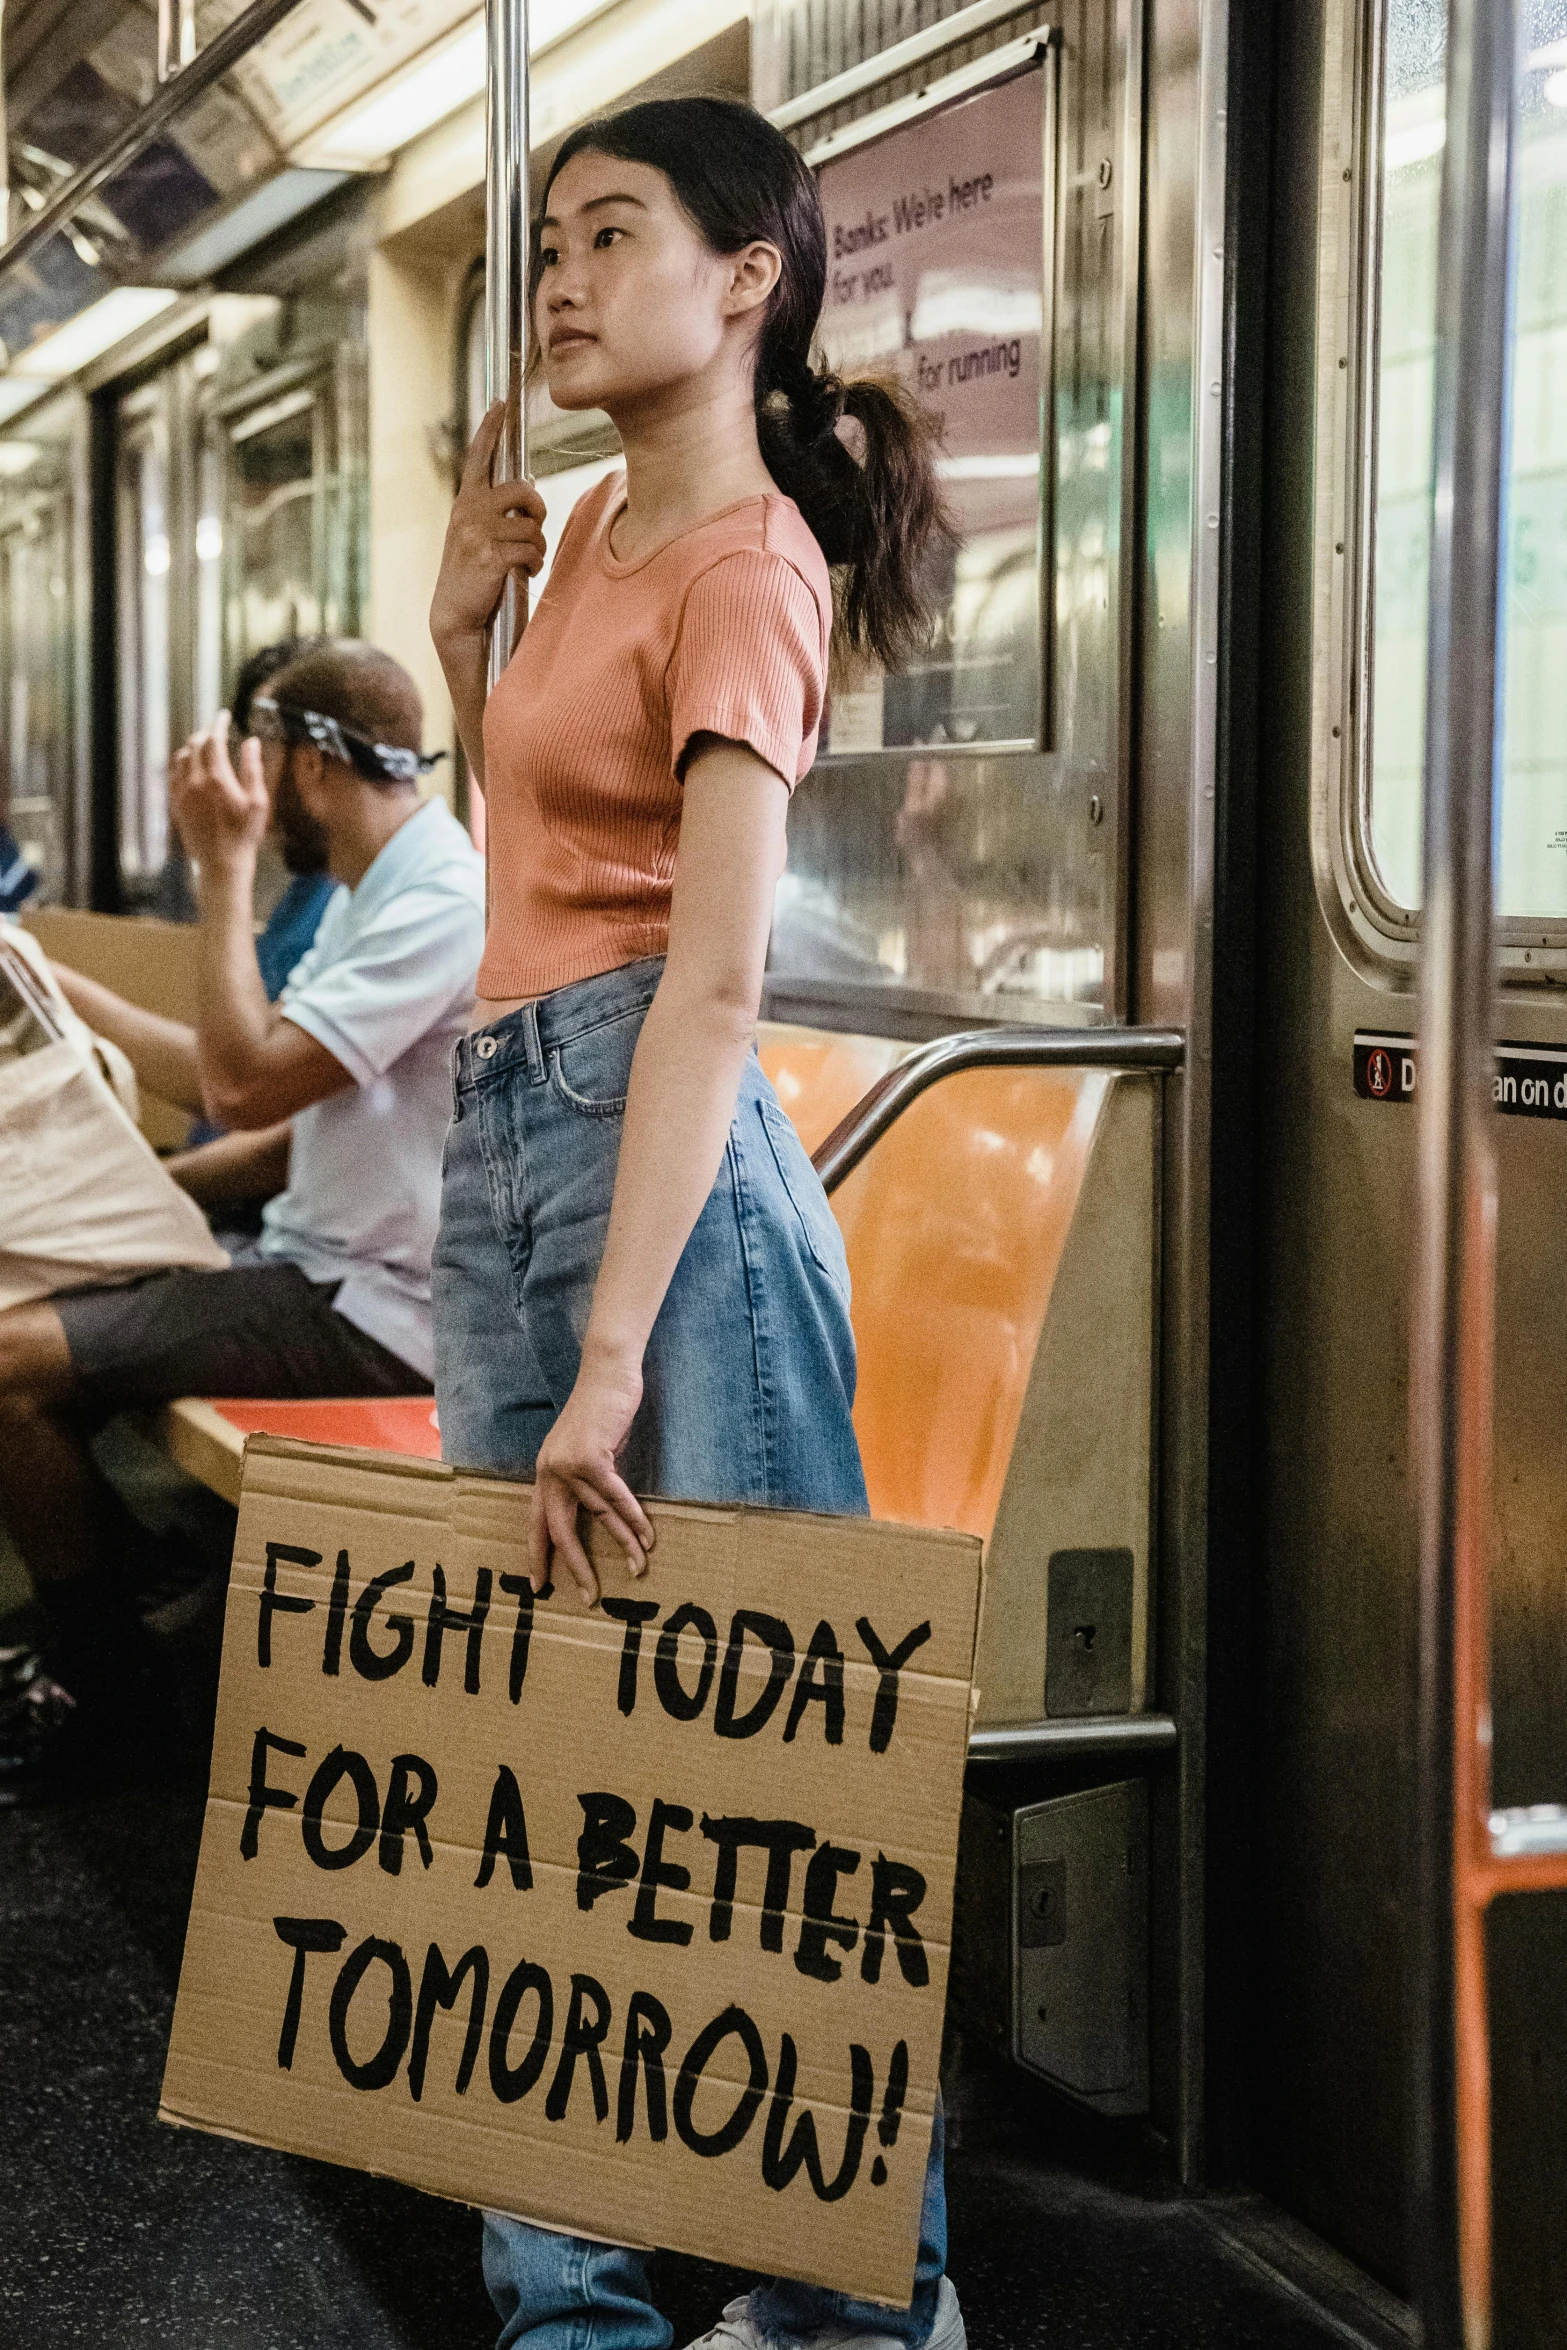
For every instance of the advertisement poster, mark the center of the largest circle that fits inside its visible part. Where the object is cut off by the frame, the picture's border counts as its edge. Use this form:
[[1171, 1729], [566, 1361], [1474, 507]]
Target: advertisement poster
[[935, 242]]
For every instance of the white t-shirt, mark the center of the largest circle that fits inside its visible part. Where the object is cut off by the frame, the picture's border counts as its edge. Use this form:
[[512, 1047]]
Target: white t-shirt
[[386, 988]]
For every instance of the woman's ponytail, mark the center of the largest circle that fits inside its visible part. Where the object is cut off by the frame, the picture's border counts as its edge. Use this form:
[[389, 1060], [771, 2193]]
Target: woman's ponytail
[[878, 517], [876, 509]]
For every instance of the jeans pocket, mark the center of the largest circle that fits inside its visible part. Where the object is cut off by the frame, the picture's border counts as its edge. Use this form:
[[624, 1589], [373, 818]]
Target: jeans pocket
[[592, 1072], [805, 1194]]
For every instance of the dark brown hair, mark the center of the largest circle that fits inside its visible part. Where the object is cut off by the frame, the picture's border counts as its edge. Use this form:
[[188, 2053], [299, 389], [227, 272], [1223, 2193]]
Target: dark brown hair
[[878, 517], [361, 687]]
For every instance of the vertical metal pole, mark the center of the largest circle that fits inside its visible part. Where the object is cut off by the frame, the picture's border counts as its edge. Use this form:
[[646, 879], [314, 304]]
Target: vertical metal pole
[[1454, 1288], [506, 274], [5, 143]]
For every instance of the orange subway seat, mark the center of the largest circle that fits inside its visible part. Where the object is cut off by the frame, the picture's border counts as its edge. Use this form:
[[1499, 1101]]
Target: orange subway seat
[[818, 1077], [954, 1224]]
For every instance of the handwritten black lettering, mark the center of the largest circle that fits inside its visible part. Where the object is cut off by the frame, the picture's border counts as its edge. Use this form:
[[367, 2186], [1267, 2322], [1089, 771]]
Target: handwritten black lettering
[[645, 1922], [337, 1610], [820, 1683], [780, 1642], [506, 1834], [280, 1603], [648, 2031], [604, 1858], [521, 1590], [780, 1840], [513, 2081], [734, 2023], [633, 1613], [819, 1926], [441, 1986], [410, 1792], [262, 1797], [378, 2069], [443, 1619], [341, 1763], [366, 1662], [301, 1935], [889, 1664], [680, 1704], [583, 2036], [897, 1889], [780, 2161]]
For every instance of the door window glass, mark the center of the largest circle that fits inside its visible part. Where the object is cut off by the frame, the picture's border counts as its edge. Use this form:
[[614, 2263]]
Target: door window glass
[[35, 663], [274, 479], [145, 555], [1531, 876]]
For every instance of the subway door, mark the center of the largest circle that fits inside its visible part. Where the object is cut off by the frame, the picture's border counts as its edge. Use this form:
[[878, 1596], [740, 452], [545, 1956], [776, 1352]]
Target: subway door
[[1348, 496], [157, 606], [38, 766]]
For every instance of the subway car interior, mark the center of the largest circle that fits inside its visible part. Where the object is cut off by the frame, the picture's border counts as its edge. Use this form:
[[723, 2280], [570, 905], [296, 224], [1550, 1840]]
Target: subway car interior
[[1230, 789]]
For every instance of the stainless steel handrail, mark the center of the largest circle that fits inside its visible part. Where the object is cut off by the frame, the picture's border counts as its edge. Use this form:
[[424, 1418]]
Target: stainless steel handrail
[[209, 65], [986, 1048], [506, 232], [1451, 1355], [1096, 1734]]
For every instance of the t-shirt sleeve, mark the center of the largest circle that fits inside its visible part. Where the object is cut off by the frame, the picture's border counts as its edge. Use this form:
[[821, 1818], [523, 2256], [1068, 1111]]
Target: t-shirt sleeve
[[749, 663], [400, 977]]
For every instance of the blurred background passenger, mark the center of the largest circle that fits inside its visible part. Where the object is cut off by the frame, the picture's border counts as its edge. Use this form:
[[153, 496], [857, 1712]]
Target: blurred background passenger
[[18, 881], [162, 1051]]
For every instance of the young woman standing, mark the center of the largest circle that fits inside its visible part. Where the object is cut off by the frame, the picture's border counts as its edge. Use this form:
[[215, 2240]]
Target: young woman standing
[[639, 1285]]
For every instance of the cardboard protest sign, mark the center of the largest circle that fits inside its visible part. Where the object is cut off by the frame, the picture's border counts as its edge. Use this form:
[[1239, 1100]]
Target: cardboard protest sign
[[634, 1920]]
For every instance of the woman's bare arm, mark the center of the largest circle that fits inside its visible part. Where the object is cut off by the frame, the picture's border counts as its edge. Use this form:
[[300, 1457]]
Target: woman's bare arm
[[685, 1077], [496, 528]]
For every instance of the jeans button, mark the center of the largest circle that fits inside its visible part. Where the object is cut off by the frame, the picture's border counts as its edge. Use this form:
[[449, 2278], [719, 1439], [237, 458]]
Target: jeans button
[[485, 1047]]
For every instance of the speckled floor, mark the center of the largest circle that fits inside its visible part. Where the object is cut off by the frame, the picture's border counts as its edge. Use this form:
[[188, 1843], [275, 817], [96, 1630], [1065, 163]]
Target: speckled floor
[[116, 2230]]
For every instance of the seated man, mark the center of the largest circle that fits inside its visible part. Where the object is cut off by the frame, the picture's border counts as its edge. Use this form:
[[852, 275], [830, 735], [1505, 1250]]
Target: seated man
[[334, 1298], [162, 1051]]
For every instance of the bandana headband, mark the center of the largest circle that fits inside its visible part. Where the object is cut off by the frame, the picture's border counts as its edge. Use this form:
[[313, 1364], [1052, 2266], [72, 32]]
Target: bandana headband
[[377, 762]]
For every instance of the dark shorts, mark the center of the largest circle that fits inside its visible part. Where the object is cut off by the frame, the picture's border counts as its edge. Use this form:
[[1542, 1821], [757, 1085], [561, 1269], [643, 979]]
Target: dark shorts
[[256, 1330]]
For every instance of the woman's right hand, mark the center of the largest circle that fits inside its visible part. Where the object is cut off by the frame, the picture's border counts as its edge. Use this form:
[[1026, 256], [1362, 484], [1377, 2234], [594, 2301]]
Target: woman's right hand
[[495, 528]]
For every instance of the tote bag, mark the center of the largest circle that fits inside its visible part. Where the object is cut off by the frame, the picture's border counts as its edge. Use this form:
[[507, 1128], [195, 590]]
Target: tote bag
[[83, 1197]]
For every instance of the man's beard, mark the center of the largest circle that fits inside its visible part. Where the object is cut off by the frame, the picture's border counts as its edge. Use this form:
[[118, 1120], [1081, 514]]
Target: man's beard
[[301, 837]]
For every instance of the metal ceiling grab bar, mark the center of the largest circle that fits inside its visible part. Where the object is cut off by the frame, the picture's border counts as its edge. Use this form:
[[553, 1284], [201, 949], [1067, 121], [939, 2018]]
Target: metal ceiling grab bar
[[506, 232], [1465, 1853], [194, 74]]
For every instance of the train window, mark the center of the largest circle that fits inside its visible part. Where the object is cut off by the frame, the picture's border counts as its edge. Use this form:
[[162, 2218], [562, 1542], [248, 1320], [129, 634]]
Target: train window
[[146, 552], [275, 468], [211, 686], [36, 739], [1531, 877]]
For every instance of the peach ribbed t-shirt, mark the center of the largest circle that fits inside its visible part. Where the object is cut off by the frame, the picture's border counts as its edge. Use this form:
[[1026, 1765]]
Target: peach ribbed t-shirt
[[721, 631]]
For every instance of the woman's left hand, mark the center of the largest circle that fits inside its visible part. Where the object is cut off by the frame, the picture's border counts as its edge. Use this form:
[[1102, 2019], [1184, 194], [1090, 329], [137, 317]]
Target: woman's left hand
[[576, 1471]]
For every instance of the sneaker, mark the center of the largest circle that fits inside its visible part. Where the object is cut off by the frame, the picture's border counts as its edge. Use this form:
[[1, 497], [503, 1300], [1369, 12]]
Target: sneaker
[[51, 1747], [20, 1663], [738, 2330]]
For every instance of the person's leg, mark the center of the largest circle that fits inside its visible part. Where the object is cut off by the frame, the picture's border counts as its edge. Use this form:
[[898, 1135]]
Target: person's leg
[[550, 2290], [72, 1529], [259, 1328], [558, 2292], [785, 2312], [61, 1511]]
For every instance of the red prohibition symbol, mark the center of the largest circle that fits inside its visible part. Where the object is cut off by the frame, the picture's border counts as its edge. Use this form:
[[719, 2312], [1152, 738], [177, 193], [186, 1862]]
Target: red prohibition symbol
[[1379, 1073]]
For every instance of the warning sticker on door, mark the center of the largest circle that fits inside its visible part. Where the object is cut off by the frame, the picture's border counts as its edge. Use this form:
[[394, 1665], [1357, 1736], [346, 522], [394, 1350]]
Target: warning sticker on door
[[1530, 1080]]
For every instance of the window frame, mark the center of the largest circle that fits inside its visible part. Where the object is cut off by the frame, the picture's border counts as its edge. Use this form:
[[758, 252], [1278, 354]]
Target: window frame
[[1379, 938]]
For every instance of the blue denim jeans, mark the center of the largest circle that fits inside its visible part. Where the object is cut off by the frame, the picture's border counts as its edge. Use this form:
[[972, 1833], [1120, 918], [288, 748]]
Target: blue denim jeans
[[747, 1395]]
